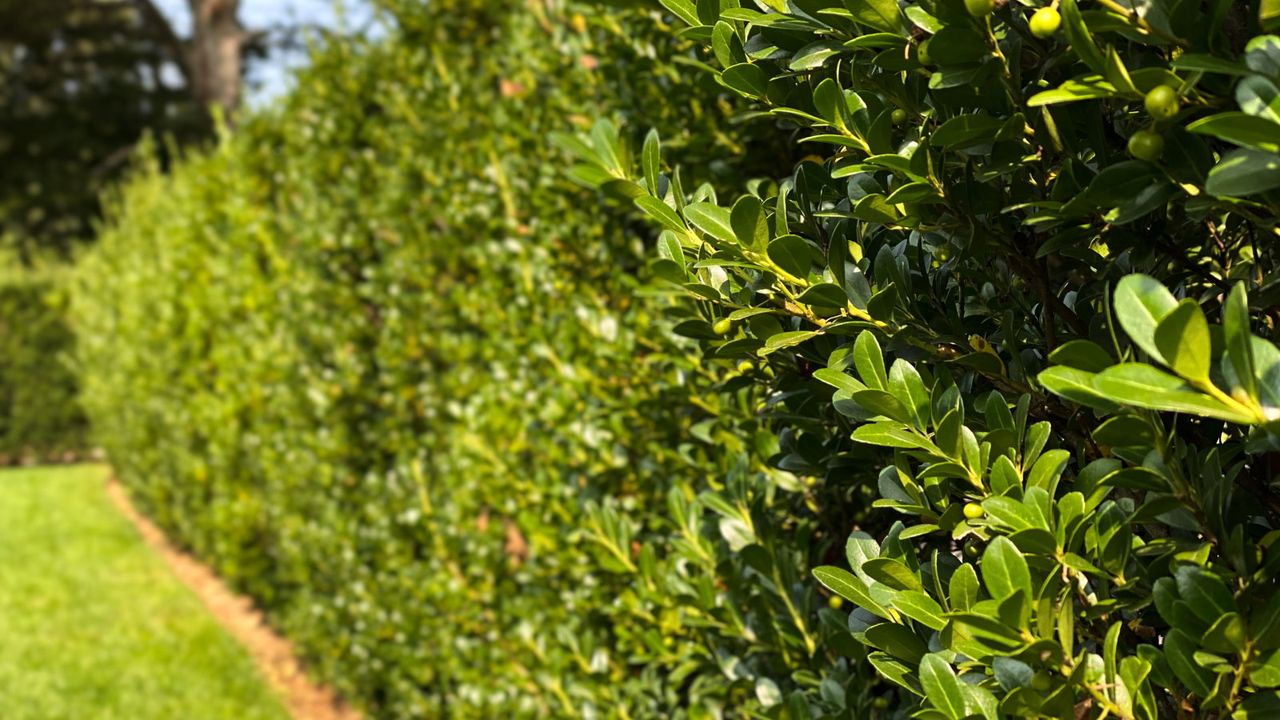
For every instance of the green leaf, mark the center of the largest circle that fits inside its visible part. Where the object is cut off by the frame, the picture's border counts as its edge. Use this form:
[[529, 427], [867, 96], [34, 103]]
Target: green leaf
[[1143, 386], [652, 159], [662, 212], [1047, 470], [1260, 706], [920, 607], [868, 358], [1265, 672], [876, 209], [683, 9], [1203, 62], [829, 101], [791, 254], [966, 130], [891, 434], [1243, 173], [838, 379], [892, 572], [878, 14], [1242, 129], [963, 589], [897, 640], [1259, 96], [1179, 650], [880, 402], [905, 385], [850, 587], [859, 548], [942, 687], [1262, 54], [1141, 302], [712, 220], [1009, 513], [1076, 386], [747, 79], [1079, 37], [1239, 341], [1183, 340], [890, 669], [827, 295], [1206, 593], [1004, 570], [786, 340], [750, 226], [1125, 431], [1226, 635], [1012, 673], [1088, 87], [1082, 354]]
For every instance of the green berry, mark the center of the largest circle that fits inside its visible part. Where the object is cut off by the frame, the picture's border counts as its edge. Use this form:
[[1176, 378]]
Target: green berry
[[973, 511], [980, 8], [1045, 22], [835, 602], [1161, 103], [722, 326], [746, 366], [898, 116], [1146, 145], [923, 53]]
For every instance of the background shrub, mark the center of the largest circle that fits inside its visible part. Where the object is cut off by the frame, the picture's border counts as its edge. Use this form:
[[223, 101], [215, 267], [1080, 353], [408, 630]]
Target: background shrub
[[40, 414]]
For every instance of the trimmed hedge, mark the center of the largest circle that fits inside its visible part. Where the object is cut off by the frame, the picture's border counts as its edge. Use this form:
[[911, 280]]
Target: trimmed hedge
[[385, 366], [1028, 293], [938, 272], [40, 414]]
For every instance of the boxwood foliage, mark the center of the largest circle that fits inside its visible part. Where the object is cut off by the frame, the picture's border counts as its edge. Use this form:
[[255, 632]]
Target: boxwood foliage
[[395, 375], [40, 414], [1025, 288]]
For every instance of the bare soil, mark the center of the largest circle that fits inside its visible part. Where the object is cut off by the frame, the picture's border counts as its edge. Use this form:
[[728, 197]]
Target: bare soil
[[305, 700]]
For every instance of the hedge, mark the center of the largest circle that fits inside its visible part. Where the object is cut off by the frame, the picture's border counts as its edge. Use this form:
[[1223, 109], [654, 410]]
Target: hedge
[[1027, 293], [383, 362], [40, 414], [988, 284]]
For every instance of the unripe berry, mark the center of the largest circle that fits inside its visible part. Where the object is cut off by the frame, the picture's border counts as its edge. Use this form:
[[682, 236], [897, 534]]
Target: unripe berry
[[1146, 145], [923, 53], [1045, 22], [1161, 103], [722, 326], [973, 511], [898, 116], [980, 8]]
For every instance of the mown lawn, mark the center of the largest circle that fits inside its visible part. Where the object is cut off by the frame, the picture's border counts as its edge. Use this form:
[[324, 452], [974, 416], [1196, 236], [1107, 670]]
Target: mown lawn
[[92, 624]]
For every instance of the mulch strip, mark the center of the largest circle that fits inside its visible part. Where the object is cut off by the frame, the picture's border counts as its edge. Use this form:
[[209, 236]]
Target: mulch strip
[[274, 655]]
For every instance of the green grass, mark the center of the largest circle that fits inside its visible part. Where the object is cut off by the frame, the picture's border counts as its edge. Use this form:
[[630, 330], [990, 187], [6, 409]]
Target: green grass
[[94, 627]]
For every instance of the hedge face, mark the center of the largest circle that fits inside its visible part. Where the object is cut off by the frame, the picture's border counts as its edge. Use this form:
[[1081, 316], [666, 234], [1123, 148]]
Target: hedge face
[[989, 297], [378, 360]]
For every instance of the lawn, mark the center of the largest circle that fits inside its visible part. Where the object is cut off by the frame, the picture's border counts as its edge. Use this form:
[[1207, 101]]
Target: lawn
[[94, 627]]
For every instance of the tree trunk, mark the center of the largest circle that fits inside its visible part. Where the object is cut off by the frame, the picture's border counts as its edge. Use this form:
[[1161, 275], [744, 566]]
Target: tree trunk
[[216, 54]]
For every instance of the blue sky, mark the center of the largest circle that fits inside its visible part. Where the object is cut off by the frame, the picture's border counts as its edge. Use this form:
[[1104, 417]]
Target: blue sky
[[270, 78]]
